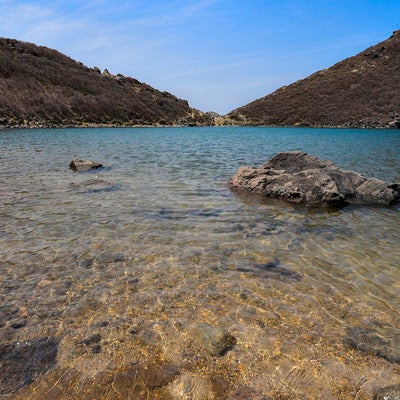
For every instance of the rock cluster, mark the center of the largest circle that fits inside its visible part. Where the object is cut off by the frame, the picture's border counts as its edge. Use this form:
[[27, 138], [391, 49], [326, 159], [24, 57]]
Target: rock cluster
[[303, 179]]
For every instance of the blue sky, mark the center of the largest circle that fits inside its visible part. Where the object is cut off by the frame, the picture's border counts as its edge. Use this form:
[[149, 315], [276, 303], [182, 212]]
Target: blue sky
[[217, 54]]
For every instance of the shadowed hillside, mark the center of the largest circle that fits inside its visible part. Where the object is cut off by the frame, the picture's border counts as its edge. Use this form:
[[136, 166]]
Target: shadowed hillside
[[42, 87], [360, 91]]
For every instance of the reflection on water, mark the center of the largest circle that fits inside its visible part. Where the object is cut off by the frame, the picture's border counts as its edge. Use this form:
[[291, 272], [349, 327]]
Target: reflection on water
[[138, 253]]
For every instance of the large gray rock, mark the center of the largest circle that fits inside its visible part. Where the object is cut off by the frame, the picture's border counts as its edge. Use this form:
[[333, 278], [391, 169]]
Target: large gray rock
[[300, 178]]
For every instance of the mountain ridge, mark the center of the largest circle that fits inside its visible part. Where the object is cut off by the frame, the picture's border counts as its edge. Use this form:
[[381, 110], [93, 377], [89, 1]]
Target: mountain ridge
[[362, 91], [41, 87]]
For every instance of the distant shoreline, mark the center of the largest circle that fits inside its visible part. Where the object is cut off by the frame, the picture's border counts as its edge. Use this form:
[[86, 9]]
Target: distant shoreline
[[90, 125]]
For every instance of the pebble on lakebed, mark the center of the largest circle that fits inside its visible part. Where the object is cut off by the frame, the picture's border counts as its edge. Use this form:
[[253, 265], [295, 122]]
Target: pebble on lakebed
[[215, 340]]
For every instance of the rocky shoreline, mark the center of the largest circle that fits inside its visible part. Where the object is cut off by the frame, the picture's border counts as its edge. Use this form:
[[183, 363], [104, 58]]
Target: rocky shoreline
[[222, 121], [38, 125]]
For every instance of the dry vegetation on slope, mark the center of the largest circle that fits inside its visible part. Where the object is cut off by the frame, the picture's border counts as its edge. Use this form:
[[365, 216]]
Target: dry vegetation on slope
[[360, 91], [42, 87]]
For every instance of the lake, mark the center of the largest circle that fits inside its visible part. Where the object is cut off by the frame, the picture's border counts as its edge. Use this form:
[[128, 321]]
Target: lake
[[121, 264]]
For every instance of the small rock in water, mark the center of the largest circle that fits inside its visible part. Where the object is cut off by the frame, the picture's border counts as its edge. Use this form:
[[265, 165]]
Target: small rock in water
[[215, 340], [132, 284], [149, 337], [95, 338], [246, 393], [86, 262], [96, 349], [94, 186], [192, 386], [388, 393], [270, 269], [370, 341], [271, 264], [84, 165], [18, 324], [110, 258], [101, 324]]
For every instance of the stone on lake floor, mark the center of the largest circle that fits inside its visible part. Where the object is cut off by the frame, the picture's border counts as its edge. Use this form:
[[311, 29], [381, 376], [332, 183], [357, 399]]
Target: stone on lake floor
[[215, 340], [279, 273], [21, 362], [247, 393], [387, 393], [300, 178], [370, 341], [93, 338], [84, 165], [94, 186], [191, 386]]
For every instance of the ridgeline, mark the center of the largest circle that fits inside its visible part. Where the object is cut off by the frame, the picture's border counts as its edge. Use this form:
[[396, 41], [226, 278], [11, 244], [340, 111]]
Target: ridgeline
[[40, 87], [362, 91]]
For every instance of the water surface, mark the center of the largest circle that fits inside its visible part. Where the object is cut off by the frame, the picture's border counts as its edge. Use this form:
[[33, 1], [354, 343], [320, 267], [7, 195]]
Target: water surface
[[156, 242]]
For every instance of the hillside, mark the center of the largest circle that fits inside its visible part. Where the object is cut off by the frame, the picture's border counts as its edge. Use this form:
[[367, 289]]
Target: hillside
[[360, 91], [42, 87]]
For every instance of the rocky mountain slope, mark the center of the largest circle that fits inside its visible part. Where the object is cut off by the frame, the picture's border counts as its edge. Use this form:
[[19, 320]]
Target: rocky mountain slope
[[42, 87], [360, 91]]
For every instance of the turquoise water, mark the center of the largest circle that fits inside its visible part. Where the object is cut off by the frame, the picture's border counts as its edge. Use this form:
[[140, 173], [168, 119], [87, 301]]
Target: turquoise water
[[158, 235]]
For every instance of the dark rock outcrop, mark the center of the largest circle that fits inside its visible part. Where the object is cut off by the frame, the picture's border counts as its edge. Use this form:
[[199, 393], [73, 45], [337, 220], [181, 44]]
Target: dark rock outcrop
[[360, 91], [303, 179]]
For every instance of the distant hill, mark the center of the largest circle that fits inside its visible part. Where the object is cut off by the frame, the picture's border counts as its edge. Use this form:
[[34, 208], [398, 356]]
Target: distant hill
[[42, 87], [360, 91]]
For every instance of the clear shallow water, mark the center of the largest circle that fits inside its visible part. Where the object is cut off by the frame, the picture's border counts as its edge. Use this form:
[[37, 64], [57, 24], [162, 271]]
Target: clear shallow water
[[157, 238]]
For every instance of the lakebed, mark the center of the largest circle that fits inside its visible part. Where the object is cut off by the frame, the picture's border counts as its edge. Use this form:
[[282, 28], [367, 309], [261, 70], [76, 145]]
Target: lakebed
[[106, 276]]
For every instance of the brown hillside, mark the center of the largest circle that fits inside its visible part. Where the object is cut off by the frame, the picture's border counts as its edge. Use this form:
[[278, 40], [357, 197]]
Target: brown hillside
[[360, 91], [42, 87]]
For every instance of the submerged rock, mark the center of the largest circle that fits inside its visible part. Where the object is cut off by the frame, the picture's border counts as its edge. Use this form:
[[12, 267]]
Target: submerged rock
[[192, 386], [303, 179], [271, 270], [388, 393], [21, 362], [84, 165], [215, 340], [247, 393], [95, 185], [371, 341]]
